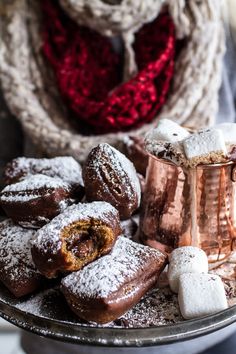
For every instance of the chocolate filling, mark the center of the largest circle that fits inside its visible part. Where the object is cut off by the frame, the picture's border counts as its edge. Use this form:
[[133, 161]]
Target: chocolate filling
[[85, 241], [82, 243]]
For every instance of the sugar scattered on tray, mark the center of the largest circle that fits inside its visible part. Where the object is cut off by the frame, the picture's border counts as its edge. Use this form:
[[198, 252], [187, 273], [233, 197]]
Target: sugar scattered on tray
[[159, 307]]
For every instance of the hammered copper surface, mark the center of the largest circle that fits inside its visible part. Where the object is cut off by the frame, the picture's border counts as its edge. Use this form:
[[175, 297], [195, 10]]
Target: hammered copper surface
[[215, 218], [189, 207], [165, 218]]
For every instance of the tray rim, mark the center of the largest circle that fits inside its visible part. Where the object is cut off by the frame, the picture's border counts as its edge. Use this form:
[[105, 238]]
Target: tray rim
[[114, 336]]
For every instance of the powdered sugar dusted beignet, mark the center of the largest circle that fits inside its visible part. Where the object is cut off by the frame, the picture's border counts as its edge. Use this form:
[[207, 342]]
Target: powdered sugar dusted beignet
[[207, 146], [17, 270], [76, 237], [109, 176], [201, 295], [187, 259], [110, 286], [36, 200], [63, 167]]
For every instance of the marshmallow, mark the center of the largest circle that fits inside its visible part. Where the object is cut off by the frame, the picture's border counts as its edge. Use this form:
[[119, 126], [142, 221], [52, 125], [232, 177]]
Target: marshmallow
[[201, 295], [187, 259], [173, 152], [206, 146], [167, 130], [229, 132]]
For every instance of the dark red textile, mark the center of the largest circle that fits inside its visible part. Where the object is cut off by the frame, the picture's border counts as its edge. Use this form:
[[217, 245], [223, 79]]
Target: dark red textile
[[88, 71]]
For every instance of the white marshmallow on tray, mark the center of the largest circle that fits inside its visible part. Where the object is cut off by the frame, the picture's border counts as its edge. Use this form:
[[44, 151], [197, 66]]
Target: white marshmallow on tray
[[201, 295], [187, 259], [169, 131], [229, 132], [206, 146]]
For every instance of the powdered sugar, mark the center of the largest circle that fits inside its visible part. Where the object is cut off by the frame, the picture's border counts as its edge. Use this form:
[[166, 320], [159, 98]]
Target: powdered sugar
[[52, 231], [42, 304], [159, 307], [15, 250], [64, 167], [108, 273], [31, 188]]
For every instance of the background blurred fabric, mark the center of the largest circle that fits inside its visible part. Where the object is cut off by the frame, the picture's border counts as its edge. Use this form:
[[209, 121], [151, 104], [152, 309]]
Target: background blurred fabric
[[227, 112], [11, 136], [12, 145]]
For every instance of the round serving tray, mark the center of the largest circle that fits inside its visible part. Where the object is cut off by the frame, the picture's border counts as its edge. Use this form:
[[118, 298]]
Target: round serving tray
[[54, 319]]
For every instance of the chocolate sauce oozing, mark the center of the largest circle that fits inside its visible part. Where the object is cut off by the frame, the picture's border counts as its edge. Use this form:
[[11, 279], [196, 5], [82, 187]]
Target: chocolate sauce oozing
[[82, 243]]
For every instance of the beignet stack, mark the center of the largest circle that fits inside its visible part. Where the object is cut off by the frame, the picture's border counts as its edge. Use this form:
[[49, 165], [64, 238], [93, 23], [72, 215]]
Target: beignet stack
[[40, 189], [109, 272], [36, 200]]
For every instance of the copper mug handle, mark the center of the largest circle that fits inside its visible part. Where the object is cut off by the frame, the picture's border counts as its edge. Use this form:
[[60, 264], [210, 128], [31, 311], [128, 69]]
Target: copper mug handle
[[233, 173]]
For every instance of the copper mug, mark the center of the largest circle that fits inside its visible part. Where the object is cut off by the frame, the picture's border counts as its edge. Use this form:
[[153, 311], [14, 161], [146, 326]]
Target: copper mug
[[190, 207]]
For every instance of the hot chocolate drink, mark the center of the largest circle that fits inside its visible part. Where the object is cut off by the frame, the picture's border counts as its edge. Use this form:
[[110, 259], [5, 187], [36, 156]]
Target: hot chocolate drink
[[190, 190]]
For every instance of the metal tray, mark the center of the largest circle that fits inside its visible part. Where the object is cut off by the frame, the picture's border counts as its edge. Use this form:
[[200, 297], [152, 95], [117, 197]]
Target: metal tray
[[56, 321]]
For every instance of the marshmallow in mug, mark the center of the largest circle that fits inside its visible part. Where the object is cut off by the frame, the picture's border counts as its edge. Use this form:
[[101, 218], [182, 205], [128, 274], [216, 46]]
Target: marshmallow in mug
[[186, 259], [206, 146], [201, 295], [167, 131], [229, 132], [165, 141]]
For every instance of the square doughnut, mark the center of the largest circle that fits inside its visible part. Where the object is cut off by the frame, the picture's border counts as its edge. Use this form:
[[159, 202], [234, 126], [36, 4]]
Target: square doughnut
[[107, 288]]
